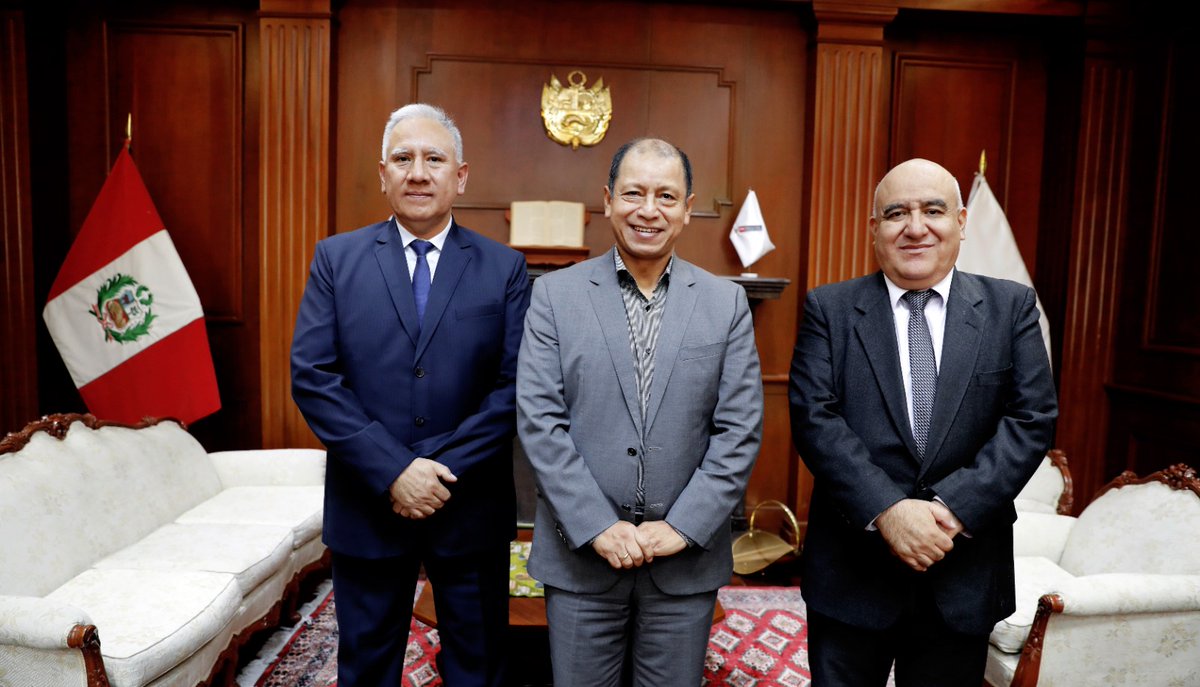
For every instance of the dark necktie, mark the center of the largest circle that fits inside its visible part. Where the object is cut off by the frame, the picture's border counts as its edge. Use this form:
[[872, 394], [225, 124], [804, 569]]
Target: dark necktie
[[420, 277], [922, 366]]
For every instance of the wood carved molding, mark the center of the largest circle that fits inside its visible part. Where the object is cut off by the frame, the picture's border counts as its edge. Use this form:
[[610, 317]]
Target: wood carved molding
[[87, 639], [1030, 663], [1179, 476], [1066, 500], [56, 425]]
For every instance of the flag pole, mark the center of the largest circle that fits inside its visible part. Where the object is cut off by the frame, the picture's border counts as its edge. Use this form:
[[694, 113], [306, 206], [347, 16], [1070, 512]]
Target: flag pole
[[982, 162], [129, 132]]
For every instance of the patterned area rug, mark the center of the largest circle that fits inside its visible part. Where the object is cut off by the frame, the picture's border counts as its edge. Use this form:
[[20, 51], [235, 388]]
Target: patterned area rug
[[762, 642]]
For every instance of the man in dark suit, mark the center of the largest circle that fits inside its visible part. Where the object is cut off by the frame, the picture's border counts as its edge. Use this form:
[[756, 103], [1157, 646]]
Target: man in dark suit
[[639, 403], [404, 365], [922, 401]]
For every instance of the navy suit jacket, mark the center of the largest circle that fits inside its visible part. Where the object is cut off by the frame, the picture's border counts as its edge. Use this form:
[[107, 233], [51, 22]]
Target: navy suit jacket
[[993, 416], [380, 389]]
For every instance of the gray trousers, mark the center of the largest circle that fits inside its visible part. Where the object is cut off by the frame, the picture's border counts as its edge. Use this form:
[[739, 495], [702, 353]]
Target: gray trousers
[[662, 637]]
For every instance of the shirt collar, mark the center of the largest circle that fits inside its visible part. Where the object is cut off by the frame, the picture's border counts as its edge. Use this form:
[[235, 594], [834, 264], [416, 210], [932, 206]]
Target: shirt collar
[[942, 288], [621, 268], [438, 240]]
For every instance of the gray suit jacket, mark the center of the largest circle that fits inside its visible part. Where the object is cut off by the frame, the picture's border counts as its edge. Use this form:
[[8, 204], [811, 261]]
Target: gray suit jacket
[[579, 421]]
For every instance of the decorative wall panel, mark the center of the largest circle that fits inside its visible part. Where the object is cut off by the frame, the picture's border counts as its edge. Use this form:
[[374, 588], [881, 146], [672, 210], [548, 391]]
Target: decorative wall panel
[[18, 355], [294, 213]]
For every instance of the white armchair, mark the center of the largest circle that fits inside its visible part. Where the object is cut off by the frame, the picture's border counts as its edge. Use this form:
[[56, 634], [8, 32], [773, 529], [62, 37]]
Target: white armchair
[[1110, 598], [1050, 490]]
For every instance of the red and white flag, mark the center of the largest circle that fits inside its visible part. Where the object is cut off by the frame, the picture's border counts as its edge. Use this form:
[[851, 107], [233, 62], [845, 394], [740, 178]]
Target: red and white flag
[[749, 233], [125, 316]]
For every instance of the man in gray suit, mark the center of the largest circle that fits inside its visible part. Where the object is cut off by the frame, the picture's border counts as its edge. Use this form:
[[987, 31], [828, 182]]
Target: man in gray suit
[[639, 403], [922, 401]]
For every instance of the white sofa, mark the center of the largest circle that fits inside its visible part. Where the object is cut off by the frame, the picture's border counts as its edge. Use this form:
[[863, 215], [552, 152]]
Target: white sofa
[[1111, 597], [1050, 489], [131, 556]]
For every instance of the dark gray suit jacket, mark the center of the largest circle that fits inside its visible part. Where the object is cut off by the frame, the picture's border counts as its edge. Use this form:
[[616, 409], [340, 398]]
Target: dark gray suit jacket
[[579, 421], [993, 416]]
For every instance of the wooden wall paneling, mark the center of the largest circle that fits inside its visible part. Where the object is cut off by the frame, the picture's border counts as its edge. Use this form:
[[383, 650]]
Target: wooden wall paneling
[[1098, 231], [725, 83], [1155, 383], [1171, 324], [1150, 430], [962, 84], [295, 166], [18, 356], [181, 78], [848, 87], [848, 136]]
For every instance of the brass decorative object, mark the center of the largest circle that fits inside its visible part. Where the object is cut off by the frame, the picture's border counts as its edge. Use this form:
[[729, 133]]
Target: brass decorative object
[[755, 549], [575, 115]]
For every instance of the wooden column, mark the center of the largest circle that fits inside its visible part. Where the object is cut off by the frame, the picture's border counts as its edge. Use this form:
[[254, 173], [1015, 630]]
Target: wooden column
[[1097, 234], [18, 355], [295, 210], [849, 137], [848, 147]]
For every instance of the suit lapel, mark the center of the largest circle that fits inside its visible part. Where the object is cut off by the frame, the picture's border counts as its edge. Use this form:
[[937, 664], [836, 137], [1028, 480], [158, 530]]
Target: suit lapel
[[456, 254], [960, 347], [614, 324], [876, 331], [681, 299], [389, 251]]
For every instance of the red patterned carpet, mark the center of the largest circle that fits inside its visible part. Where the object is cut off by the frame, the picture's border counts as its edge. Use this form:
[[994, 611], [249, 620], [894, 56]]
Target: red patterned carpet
[[762, 642]]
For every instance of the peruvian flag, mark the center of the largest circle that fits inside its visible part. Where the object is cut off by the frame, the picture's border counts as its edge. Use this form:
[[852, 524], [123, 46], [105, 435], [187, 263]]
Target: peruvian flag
[[125, 316]]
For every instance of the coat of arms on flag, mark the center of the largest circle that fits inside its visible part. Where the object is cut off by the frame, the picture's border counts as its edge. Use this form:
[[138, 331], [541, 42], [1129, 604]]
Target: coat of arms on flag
[[125, 315]]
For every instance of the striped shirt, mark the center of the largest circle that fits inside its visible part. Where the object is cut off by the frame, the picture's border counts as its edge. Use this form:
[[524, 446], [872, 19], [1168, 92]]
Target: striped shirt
[[645, 323]]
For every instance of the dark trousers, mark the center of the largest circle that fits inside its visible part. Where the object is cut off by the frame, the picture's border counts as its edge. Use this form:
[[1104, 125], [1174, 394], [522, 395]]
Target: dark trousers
[[374, 600], [926, 652]]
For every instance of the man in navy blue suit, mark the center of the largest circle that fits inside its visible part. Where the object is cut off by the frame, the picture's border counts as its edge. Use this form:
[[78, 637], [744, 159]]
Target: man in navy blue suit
[[922, 401], [404, 364]]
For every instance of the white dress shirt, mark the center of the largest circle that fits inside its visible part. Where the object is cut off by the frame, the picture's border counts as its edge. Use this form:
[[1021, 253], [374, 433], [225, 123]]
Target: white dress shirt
[[410, 256], [935, 317]]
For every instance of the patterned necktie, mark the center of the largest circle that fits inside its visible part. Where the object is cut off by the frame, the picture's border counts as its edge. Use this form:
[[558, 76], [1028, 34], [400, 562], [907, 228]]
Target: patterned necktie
[[420, 277], [922, 366]]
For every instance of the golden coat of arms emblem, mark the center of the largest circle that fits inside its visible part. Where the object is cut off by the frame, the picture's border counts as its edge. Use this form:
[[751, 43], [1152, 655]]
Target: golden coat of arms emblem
[[575, 115]]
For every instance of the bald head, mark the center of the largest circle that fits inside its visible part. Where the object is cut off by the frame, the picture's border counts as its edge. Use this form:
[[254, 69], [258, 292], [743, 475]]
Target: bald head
[[917, 223], [922, 168]]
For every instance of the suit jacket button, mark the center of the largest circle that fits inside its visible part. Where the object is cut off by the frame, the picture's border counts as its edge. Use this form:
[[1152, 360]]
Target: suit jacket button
[[420, 372], [631, 451], [420, 421]]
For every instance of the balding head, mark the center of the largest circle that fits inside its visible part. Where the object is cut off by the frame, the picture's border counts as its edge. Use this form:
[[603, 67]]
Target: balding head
[[652, 146], [917, 223]]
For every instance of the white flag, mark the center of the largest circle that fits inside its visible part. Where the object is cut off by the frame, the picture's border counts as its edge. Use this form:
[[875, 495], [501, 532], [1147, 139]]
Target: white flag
[[749, 234], [991, 249]]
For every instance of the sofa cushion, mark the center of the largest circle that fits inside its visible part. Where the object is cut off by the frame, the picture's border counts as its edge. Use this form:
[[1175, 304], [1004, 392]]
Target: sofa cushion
[[1035, 576], [251, 553], [1138, 528], [66, 503], [151, 620], [297, 508]]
